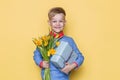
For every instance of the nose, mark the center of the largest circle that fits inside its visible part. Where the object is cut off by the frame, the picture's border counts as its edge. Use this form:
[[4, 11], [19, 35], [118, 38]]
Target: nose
[[58, 24]]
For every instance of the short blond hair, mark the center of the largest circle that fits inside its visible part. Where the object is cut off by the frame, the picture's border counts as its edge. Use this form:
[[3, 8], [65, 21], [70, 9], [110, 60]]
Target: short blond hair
[[56, 10]]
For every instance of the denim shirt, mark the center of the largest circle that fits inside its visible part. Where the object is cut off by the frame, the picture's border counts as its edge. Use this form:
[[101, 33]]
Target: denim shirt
[[56, 73]]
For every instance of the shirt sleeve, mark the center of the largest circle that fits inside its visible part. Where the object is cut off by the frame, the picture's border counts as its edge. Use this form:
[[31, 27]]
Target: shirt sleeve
[[37, 57], [80, 58]]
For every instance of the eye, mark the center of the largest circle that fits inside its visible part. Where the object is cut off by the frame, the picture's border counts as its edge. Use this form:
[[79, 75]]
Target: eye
[[54, 21], [61, 21]]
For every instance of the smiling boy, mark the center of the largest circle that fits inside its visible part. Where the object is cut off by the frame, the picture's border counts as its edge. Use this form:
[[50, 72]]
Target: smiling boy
[[57, 22]]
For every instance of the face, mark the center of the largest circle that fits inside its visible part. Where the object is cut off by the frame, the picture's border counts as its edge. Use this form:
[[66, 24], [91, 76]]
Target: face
[[57, 23]]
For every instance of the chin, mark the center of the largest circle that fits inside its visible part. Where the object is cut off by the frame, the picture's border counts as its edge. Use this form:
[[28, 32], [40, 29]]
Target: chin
[[57, 31]]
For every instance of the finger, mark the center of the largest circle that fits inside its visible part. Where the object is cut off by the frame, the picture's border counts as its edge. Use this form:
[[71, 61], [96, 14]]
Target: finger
[[66, 63], [47, 65], [63, 69], [46, 61]]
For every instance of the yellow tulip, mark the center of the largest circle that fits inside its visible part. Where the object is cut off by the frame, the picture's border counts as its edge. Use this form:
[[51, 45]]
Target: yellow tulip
[[48, 54], [44, 38], [37, 42], [48, 37], [45, 43], [57, 43], [51, 52], [57, 36]]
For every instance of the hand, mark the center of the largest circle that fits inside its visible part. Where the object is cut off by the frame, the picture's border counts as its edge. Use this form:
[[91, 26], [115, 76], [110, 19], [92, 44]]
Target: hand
[[68, 67], [45, 64]]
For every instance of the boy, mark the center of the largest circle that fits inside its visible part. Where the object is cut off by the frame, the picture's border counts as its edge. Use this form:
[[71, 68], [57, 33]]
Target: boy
[[57, 22]]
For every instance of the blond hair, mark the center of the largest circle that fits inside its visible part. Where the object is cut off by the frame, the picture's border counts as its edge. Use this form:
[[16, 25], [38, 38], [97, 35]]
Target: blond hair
[[54, 11]]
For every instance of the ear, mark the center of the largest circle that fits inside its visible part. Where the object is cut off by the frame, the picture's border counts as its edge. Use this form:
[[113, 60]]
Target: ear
[[49, 22], [65, 22]]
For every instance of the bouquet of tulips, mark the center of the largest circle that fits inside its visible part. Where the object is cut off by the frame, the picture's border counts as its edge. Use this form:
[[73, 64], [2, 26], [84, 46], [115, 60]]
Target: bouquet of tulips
[[46, 45]]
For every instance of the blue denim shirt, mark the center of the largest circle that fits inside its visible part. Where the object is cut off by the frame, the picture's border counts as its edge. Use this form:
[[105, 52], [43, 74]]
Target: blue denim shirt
[[56, 74]]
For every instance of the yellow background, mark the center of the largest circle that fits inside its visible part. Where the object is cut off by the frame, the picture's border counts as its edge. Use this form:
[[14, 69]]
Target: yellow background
[[94, 25]]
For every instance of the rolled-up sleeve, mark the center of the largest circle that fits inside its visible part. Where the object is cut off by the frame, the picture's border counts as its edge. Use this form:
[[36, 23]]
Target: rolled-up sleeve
[[80, 57], [37, 57]]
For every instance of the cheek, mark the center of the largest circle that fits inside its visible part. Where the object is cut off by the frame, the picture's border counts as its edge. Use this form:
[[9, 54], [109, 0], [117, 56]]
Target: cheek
[[51, 24], [63, 24]]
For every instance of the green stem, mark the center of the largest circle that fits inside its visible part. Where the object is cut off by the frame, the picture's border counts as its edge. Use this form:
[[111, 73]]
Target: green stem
[[47, 74]]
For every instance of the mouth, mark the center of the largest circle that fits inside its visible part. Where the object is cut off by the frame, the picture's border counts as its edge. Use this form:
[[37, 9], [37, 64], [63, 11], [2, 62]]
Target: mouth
[[57, 27]]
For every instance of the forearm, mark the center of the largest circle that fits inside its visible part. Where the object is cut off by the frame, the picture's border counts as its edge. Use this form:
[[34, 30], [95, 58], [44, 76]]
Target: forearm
[[72, 66], [37, 57], [68, 67], [79, 60]]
